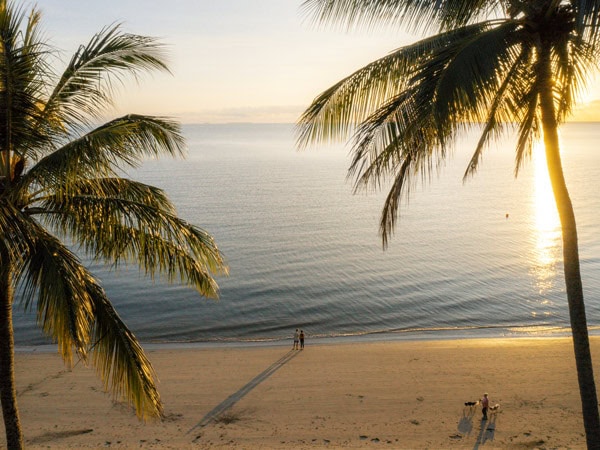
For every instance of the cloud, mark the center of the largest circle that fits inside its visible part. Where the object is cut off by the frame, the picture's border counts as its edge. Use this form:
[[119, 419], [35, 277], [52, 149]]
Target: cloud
[[258, 114], [586, 112]]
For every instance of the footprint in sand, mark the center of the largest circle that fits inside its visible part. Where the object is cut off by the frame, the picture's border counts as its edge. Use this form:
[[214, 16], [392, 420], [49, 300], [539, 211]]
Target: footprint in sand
[[172, 417], [54, 435]]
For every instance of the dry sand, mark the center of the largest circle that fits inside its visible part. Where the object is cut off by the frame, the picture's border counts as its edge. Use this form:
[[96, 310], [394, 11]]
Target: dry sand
[[402, 394]]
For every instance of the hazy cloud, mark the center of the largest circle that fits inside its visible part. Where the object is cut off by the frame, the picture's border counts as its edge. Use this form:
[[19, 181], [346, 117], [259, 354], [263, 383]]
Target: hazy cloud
[[258, 114]]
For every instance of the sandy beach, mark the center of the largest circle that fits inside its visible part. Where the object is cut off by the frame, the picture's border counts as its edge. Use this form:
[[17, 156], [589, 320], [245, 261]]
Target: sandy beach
[[401, 394]]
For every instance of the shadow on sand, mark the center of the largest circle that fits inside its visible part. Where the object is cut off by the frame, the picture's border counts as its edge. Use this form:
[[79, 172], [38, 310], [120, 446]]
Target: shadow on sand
[[465, 425], [486, 432], [236, 397], [487, 428]]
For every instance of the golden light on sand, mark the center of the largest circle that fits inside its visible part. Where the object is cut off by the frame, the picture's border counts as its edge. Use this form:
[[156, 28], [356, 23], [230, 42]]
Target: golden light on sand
[[546, 223]]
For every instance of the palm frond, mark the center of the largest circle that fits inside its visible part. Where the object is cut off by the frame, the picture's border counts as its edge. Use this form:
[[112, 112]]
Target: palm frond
[[587, 15], [121, 220], [73, 309], [17, 239], [59, 174], [115, 353], [389, 135], [22, 71], [420, 97], [416, 15], [391, 205], [514, 85], [85, 88], [448, 91], [105, 150], [120, 360], [55, 280], [571, 62], [528, 130], [465, 81], [334, 114]]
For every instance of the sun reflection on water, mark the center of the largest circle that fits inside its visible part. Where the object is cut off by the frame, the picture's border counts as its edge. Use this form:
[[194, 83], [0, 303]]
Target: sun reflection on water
[[546, 225]]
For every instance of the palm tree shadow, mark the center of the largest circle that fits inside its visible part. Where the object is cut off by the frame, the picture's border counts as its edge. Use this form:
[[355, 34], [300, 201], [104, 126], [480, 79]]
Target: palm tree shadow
[[237, 396]]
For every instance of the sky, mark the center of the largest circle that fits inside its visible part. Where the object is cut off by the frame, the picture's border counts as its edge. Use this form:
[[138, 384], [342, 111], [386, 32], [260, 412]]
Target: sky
[[230, 60]]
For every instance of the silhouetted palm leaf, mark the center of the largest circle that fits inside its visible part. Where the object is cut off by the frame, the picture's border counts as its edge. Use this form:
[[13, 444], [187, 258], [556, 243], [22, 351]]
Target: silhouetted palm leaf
[[61, 177], [490, 66]]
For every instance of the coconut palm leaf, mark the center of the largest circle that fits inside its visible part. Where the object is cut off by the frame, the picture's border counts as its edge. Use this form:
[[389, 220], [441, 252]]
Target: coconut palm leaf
[[587, 13], [62, 178], [54, 280], [120, 360], [17, 239], [419, 15], [497, 117], [105, 150], [449, 90], [335, 112], [20, 85], [121, 220], [75, 311], [85, 89], [496, 64]]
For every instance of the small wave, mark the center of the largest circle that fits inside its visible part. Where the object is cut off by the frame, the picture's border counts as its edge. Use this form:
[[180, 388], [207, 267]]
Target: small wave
[[410, 333]]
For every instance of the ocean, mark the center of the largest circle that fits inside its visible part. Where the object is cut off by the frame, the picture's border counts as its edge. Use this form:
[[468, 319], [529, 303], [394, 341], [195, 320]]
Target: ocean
[[476, 259]]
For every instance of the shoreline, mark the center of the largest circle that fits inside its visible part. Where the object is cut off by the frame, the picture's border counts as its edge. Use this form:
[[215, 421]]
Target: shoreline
[[397, 394], [410, 335]]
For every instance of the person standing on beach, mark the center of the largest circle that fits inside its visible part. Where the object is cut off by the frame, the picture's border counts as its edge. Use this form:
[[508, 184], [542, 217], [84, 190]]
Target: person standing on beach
[[485, 403], [296, 339], [301, 339]]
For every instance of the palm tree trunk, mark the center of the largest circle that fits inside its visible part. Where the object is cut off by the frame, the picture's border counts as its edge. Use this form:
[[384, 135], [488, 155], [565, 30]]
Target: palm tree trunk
[[579, 329], [8, 393]]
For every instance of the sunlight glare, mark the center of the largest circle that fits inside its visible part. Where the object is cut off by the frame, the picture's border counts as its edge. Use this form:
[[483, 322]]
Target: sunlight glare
[[546, 226]]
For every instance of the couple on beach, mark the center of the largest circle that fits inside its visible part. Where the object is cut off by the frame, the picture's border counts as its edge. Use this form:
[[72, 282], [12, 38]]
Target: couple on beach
[[298, 339]]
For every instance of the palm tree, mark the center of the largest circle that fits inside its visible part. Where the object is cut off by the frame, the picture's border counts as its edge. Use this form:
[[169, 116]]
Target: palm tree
[[62, 190], [493, 65]]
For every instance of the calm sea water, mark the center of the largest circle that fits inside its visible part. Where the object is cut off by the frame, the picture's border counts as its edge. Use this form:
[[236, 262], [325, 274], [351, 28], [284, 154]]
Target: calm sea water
[[475, 259]]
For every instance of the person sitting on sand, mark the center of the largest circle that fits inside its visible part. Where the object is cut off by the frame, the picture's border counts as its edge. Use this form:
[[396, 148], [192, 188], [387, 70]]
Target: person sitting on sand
[[485, 403], [296, 339]]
